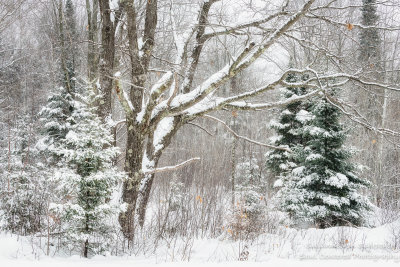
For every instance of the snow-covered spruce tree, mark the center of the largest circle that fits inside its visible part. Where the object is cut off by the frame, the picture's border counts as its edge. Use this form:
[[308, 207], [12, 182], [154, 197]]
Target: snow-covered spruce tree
[[249, 192], [24, 191], [87, 181], [54, 117], [289, 129], [324, 188]]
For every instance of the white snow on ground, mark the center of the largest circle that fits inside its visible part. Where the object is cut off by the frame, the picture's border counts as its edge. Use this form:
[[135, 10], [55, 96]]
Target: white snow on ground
[[338, 246]]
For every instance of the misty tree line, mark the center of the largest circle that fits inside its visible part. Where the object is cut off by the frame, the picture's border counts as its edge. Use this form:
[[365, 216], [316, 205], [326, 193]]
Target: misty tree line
[[179, 96]]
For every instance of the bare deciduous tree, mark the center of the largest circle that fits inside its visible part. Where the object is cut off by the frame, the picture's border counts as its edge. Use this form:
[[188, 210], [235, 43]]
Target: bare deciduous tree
[[154, 115]]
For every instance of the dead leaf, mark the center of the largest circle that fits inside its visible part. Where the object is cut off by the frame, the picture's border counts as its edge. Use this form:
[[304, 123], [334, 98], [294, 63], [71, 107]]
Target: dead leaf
[[199, 198], [350, 26]]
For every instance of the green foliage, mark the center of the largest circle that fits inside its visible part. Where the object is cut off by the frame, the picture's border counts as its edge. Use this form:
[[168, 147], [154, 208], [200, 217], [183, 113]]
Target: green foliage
[[324, 188], [289, 129], [24, 189], [87, 181], [54, 117]]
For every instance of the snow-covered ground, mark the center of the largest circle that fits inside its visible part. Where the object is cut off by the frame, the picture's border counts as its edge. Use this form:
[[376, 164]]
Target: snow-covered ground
[[338, 246]]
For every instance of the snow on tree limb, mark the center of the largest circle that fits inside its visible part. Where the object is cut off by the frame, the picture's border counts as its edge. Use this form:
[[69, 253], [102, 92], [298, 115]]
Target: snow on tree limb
[[172, 168], [248, 55], [122, 96], [156, 91], [234, 28], [213, 103], [243, 105]]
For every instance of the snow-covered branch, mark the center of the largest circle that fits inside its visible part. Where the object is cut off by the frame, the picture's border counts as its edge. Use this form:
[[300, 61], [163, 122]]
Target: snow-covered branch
[[241, 26], [122, 96], [248, 55], [172, 168], [352, 25], [243, 105], [156, 91]]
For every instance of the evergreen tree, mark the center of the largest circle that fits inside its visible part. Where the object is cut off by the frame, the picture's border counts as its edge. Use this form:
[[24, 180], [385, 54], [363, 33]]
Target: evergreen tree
[[324, 188], [289, 129], [370, 40], [54, 117], [87, 181], [24, 190]]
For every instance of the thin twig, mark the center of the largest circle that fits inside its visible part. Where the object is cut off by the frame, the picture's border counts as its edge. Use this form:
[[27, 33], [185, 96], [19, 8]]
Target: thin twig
[[201, 127], [245, 138]]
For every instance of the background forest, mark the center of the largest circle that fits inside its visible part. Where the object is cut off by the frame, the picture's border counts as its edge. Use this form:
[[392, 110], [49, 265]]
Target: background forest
[[130, 126]]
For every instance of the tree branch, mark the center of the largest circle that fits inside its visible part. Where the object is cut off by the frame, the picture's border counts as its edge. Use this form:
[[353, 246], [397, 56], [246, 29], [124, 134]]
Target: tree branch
[[233, 29], [201, 127], [123, 97], [172, 168], [196, 52], [245, 138], [246, 58], [261, 106]]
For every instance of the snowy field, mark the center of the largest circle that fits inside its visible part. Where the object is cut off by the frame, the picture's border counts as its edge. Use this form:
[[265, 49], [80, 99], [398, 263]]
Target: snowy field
[[338, 246]]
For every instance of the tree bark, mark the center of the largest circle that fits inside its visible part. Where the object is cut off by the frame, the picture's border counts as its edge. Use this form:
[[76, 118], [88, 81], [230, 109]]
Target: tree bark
[[107, 54], [133, 167], [135, 150], [136, 190], [92, 58]]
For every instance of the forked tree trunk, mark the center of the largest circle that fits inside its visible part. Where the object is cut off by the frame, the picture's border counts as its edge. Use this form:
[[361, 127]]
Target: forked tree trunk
[[140, 155]]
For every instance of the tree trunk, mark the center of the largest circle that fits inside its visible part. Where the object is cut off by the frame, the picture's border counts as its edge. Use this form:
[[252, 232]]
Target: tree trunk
[[138, 184], [92, 58], [107, 54], [133, 167], [141, 157], [143, 199]]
